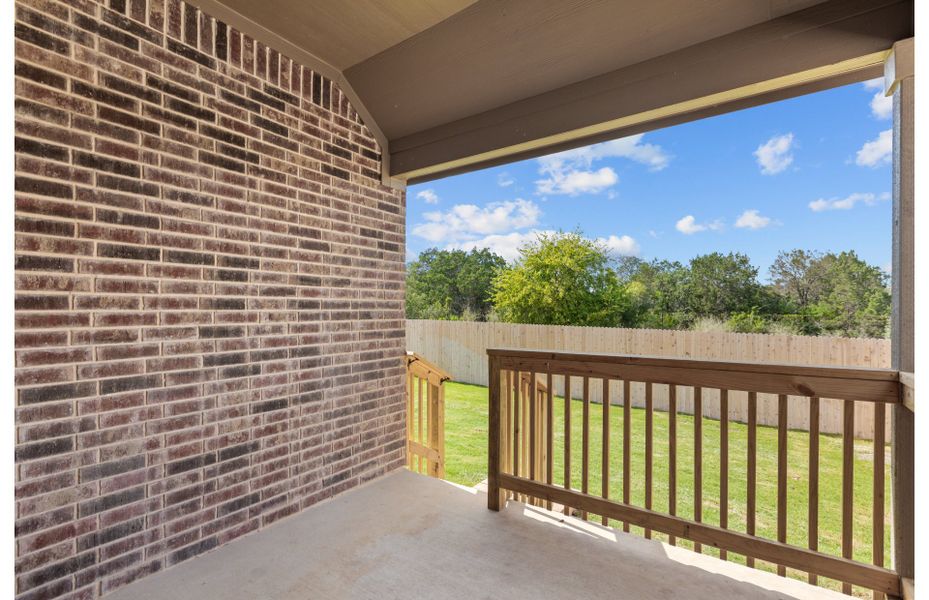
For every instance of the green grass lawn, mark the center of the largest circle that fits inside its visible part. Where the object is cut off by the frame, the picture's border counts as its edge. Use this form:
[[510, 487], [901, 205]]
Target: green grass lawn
[[466, 463]]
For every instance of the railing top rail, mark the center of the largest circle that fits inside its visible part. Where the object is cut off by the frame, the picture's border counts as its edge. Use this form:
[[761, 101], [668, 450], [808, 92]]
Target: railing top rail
[[874, 374], [874, 385], [424, 368]]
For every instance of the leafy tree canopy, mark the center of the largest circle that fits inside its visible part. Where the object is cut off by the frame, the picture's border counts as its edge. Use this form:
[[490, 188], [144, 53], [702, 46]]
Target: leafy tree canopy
[[721, 284], [451, 284], [567, 279], [561, 279]]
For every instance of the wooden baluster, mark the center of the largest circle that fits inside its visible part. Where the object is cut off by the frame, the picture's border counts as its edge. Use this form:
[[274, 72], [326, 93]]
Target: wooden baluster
[[540, 435], [585, 442], [781, 474], [649, 449], [524, 430], [533, 422], [567, 437], [672, 454], [419, 438], [627, 450], [848, 481], [698, 459], [605, 462], [410, 415], [517, 429], [813, 510], [433, 426], [877, 534], [506, 447], [543, 436], [550, 431], [723, 464], [750, 476]]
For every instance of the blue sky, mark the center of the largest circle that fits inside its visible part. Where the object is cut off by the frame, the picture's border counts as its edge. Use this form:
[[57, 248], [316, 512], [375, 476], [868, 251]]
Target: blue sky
[[812, 172]]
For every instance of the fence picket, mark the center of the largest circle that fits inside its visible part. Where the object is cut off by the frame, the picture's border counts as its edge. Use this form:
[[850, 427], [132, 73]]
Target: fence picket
[[461, 346]]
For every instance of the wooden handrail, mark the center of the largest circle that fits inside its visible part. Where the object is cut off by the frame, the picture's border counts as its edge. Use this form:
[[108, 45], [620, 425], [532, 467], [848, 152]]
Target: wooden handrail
[[421, 367], [661, 361], [866, 385], [518, 397]]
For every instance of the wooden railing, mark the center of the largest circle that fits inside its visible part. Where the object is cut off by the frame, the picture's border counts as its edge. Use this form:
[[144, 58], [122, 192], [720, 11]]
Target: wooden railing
[[425, 416], [526, 438]]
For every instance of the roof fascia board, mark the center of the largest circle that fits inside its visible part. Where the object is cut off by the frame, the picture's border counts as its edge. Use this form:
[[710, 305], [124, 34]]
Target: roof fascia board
[[826, 42]]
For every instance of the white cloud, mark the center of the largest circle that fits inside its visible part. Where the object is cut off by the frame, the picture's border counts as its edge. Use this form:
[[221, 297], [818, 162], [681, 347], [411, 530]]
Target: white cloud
[[506, 245], [622, 245], [752, 219], [688, 225], [848, 202], [505, 180], [428, 196], [877, 151], [774, 155], [571, 172], [651, 155], [882, 106], [572, 182], [467, 221]]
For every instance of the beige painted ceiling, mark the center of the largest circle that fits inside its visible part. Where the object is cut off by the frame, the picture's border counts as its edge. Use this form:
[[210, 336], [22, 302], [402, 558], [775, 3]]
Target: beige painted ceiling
[[501, 52], [346, 32]]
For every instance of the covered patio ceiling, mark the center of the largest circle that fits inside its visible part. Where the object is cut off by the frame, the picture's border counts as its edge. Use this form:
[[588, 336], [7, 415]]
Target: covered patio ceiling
[[453, 85]]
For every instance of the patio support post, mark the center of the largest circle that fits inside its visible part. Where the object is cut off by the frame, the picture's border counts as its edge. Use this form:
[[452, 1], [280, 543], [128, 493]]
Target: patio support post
[[494, 494], [899, 80]]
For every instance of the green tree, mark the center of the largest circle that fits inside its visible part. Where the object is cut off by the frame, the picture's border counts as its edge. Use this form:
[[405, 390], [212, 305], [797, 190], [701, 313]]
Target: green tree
[[560, 279], [451, 284], [798, 275], [856, 301], [838, 294], [655, 292], [718, 285]]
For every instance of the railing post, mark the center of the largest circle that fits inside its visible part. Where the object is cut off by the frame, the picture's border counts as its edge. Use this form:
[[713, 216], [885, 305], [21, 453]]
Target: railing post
[[494, 494], [440, 424], [899, 77]]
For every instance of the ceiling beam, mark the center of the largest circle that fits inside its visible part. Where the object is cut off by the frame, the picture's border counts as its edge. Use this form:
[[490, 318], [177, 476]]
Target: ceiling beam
[[836, 42]]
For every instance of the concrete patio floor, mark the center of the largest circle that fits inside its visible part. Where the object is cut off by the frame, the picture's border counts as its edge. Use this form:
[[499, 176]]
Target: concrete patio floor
[[409, 536]]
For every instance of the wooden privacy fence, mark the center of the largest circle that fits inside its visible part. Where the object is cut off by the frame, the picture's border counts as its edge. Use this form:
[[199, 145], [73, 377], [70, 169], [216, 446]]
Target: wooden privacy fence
[[425, 416], [523, 433], [461, 347]]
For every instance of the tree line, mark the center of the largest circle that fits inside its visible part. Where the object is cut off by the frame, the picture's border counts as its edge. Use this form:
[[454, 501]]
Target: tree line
[[564, 278]]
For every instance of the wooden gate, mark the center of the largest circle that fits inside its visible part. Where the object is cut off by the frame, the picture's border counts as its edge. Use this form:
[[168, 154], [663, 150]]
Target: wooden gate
[[425, 416]]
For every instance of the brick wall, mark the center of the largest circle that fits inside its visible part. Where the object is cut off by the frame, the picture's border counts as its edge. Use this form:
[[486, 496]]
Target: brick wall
[[209, 288]]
